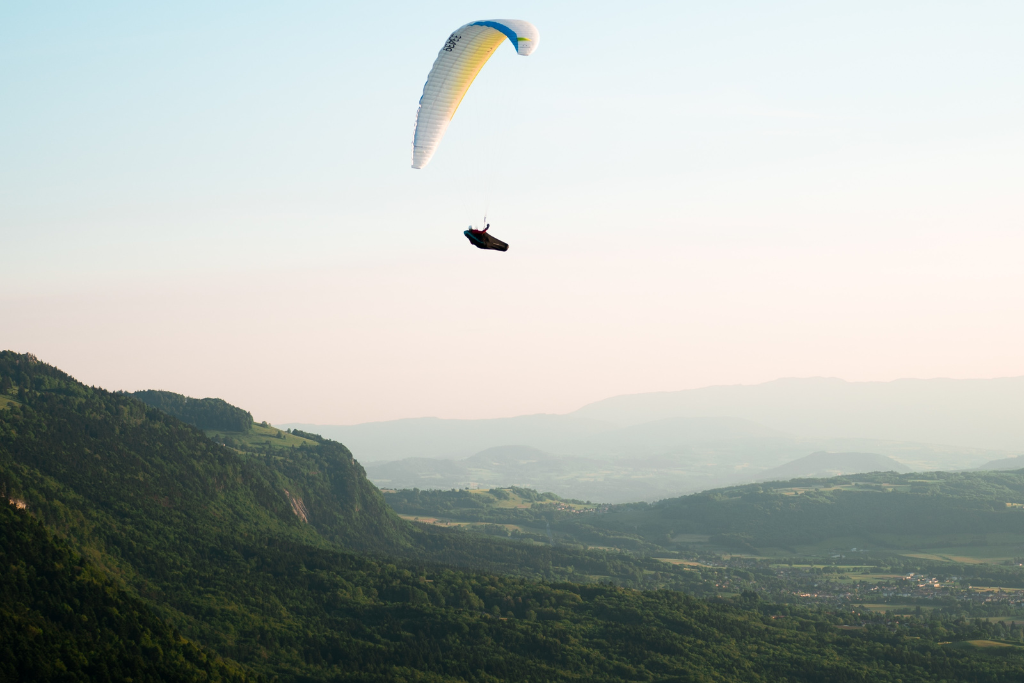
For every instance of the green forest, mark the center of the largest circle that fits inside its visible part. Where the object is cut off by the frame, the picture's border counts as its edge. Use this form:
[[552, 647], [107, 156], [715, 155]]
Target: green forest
[[136, 547], [205, 413], [883, 510]]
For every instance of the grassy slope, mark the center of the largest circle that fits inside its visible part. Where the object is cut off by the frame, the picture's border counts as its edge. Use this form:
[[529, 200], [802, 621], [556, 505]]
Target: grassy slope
[[259, 435]]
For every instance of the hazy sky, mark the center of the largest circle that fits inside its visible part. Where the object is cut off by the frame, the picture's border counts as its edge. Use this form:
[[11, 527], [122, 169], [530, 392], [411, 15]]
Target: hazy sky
[[218, 200]]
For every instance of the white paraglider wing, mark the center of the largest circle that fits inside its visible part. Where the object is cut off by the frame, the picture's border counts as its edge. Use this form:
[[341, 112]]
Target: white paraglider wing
[[457, 64]]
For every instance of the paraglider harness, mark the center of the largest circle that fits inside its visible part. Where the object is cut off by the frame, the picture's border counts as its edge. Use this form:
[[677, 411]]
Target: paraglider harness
[[482, 240]]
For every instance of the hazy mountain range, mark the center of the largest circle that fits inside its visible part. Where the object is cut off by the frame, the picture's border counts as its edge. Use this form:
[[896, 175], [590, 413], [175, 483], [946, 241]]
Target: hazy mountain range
[[607, 481], [976, 413], [1014, 463], [822, 465], [647, 446]]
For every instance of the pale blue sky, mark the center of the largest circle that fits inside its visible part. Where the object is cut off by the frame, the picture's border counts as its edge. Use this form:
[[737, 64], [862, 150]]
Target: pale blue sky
[[218, 200]]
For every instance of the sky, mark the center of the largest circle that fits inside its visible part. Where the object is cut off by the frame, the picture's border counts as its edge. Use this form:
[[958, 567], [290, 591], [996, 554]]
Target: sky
[[216, 199]]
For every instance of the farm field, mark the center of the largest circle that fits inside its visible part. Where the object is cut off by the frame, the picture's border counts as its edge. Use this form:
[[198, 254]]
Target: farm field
[[441, 522], [994, 554], [680, 563], [509, 499], [428, 520], [872, 578], [262, 435], [995, 549], [990, 643], [691, 538], [899, 610], [517, 501], [513, 501], [847, 548]]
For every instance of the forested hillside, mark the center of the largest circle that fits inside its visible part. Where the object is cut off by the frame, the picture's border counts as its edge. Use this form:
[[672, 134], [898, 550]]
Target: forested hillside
[[205, 413], [61, 618], [883, 509], [286, 562]]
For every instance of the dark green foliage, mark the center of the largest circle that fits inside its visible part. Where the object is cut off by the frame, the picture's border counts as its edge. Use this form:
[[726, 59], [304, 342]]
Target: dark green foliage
[[469, 506], [307, 435], [761, 515], [304, 613], [62, 620], [887, 512], [6, 386], [336, 498], [546, 519], [250, 555], [204, 413]]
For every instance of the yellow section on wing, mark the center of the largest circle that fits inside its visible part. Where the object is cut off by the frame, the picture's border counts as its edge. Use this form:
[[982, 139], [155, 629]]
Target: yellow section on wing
[[477, 54]]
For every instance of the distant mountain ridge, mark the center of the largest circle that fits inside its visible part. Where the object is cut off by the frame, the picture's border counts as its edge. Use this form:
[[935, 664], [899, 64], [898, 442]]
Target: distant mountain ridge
[[1004, 464], [940, 423], [611, 481], [667, 435], [498, 467], [431, 437], [658, 459], [979, 413], [508, 455], [822, 465]]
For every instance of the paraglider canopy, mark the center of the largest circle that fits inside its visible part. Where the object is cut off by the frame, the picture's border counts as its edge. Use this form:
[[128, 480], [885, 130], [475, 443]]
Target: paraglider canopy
[[464, 53]]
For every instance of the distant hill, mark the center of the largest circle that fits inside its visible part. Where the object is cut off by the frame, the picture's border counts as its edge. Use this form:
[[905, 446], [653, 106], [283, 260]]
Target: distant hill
[[978, 413], [667, 435], [948, 516], [823, 464], [431, 437], [561, 434], [899, 512], [651, 461], [1004, 464], [204, 413], [508, 456], [626, 479], [420, 473], [501, 466], [935, 424]]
